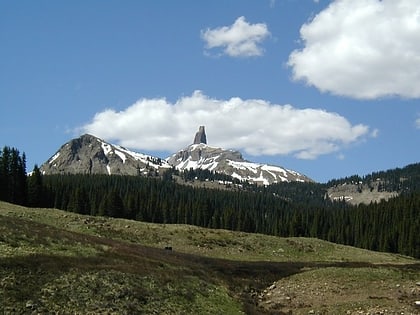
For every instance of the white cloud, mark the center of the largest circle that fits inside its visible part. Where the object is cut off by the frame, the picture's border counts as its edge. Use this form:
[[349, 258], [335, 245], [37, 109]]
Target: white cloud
[[241, 39], [256, 127], [363, 49]]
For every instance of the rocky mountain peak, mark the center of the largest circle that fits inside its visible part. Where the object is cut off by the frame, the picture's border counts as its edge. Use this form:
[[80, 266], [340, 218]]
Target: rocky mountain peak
[[199, 155], [91, 155], [200, 136]]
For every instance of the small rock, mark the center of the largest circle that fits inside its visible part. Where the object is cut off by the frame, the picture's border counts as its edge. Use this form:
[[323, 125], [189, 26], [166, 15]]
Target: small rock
[[30, 304]]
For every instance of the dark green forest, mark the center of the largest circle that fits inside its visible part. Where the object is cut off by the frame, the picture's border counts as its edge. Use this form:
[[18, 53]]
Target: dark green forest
[[286, 209], [398, 179]]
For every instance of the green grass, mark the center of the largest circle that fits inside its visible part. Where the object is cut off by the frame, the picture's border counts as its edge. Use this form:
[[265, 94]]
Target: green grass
[[205, 242], [54, 261]]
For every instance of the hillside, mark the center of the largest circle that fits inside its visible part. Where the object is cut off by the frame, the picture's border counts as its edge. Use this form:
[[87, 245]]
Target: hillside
[[56, 261], [91, 155], [375, 186]]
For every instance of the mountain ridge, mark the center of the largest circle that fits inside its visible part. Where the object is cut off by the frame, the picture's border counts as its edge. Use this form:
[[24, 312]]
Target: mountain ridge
[[89, 154], [231, 162]]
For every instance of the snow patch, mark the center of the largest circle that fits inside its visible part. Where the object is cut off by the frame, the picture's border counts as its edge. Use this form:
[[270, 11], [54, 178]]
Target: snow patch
[[55, 156], [107, 148], [121, 155], [144, 158], [253, 167]]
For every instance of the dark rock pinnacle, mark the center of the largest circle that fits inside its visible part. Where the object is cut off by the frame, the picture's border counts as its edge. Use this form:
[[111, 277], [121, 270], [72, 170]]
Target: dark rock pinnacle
[[200, 136]]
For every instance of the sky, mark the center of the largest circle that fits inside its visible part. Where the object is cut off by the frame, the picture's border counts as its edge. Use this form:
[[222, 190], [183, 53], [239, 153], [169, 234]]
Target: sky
[[326, 88]]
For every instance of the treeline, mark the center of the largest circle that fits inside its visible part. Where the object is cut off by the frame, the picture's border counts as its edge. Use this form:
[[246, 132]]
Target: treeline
[[403, 180], [293, 209], [164, 201], [13, 186], [207, 175], [391, 226]]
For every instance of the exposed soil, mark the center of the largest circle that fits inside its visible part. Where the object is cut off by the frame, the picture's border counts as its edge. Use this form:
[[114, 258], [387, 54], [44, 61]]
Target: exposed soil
[[356, 194], [332, 291]]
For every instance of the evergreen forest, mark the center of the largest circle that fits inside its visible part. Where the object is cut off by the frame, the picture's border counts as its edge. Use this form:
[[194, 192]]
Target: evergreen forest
[[285, 209]]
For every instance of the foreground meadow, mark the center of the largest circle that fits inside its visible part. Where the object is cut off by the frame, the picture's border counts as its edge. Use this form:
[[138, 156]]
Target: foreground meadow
[[60, 262]]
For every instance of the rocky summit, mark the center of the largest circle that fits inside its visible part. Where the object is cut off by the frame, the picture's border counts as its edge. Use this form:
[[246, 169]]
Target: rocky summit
[[200, 136], [91, 155], [199, 155]]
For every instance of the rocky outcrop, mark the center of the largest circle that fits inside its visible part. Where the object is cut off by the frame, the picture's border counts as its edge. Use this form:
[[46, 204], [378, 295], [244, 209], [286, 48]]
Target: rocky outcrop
[[91, 155], [200, 136], [357, 193], [231, 162]]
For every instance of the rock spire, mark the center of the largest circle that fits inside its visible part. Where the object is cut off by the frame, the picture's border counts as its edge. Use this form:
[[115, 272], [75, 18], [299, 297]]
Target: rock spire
[[200, 136]]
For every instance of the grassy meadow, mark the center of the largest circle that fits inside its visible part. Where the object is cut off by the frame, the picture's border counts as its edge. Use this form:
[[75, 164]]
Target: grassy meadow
[[60, 262]]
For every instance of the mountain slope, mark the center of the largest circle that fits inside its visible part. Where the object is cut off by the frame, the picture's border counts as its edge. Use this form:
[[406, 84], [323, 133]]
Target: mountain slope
[[376, 186], [91, 155], [230, 162], [199, 155]]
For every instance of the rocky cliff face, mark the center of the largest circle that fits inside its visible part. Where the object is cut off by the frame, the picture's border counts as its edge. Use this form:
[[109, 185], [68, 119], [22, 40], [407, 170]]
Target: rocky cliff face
[[200, 136], [230, 162], [199, 155], [91, 155]]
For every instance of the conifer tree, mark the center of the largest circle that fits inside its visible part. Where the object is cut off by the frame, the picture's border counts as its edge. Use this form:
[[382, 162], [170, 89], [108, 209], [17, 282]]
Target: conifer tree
[[35, 189], [13, 186]]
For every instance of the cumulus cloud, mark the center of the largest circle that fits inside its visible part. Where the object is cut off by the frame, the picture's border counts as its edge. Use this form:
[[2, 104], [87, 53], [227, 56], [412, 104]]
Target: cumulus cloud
[[418, 123], [241, 39], [364, 49], [254, 126]]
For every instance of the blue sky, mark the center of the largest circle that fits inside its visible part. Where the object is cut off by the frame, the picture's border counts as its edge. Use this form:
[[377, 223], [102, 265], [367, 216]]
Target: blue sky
[[326, 88]]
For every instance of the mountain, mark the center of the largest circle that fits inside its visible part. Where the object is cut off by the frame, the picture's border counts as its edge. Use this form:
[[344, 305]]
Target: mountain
[[199, 155], [91, 155]]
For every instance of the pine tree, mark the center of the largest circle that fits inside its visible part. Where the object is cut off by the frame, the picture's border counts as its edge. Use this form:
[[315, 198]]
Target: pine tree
[[114, 206], [35, 189], [13, 186]]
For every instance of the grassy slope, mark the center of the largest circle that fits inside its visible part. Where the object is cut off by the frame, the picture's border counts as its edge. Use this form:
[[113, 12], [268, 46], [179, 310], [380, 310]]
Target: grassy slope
[[58, 261]]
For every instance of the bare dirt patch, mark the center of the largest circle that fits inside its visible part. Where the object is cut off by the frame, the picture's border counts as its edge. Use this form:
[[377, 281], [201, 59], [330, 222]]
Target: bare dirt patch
[[348, 290]]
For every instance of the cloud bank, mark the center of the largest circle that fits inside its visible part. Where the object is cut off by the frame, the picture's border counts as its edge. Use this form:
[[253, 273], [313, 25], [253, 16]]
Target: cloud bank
[[364, 49], [254, 126], [241, 39]]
